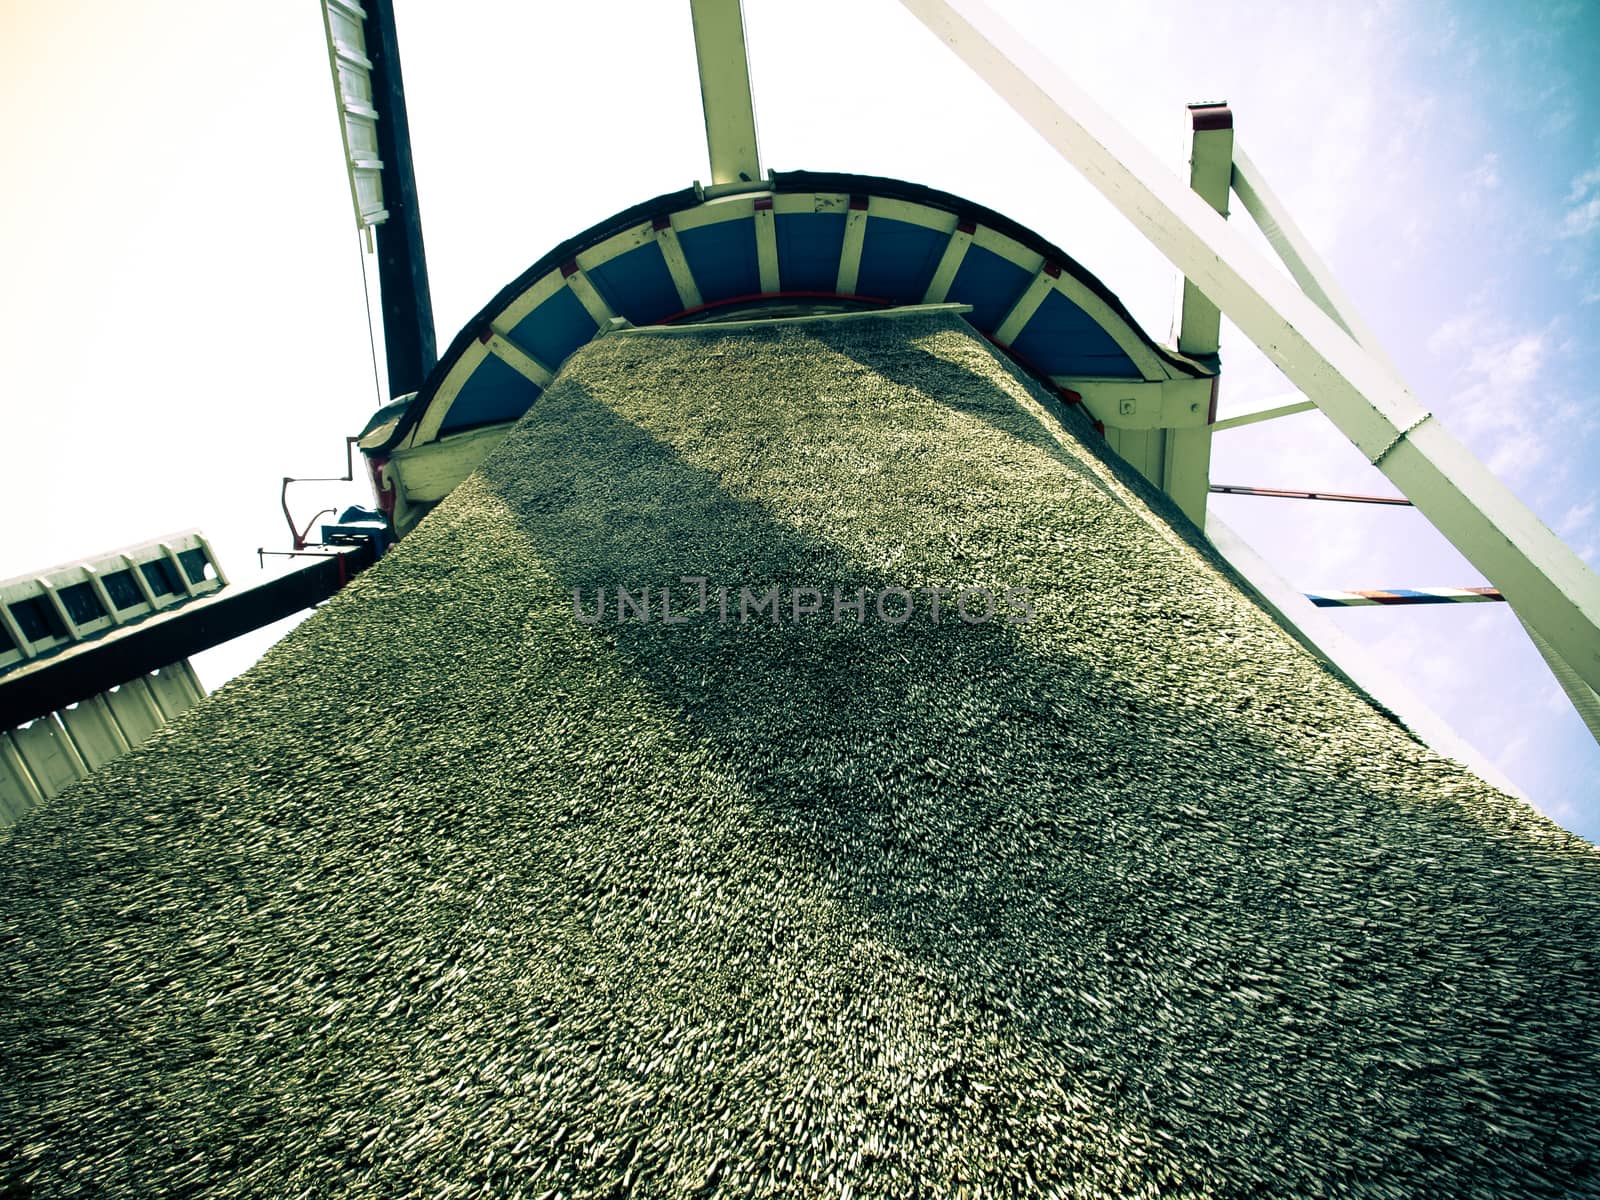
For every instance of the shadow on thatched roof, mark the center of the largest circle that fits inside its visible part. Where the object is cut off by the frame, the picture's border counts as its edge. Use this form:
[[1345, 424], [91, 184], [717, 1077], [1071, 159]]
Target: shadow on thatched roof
[[457, 892]]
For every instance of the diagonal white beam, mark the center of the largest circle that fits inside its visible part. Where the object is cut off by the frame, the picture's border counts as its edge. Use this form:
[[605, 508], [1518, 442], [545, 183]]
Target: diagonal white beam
[[1293, 247], [1313, 276], [1547, 583], [719, 48]]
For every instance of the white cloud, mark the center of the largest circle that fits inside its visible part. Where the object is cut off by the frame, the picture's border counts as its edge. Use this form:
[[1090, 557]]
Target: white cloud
[[1517, 455], [1583, 205], [1576, 518], [1499, 395], [1580, 220], [1583, 184], [1485, 176]]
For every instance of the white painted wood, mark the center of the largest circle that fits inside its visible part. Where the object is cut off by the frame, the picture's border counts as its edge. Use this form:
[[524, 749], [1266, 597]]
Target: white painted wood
[[48, 591], [716, 327], [1022, 311], [1142, 404], [766, 232], [1583, 697], [49, 754], [94, 732], [18, 790], [1296, 252], [427, 428], [955, 250], [135, 710], [1199, 321], [542, 289], [1149, 363], [1008, 248], [344, 24], [593, 303], [678, 267], [1186, 473], [429, 472], [173, 691], [725, 91], [519, 360], [855, 237], [1261, 410], [1545, 581]]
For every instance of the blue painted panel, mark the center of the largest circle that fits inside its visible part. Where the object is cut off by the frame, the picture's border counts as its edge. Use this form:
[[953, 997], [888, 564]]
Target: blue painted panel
[[990, 284], [723, 259], [637, 285], [809, 245], [495, 392], [898, 259], [1062, 339], [555, 329]]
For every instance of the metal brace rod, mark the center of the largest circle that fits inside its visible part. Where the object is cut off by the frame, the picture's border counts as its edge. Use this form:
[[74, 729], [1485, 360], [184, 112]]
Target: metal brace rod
[[1546, 582], [1235, 489]]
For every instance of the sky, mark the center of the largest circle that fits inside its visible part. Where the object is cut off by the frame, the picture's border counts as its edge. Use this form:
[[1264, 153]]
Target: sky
[[182, 311]]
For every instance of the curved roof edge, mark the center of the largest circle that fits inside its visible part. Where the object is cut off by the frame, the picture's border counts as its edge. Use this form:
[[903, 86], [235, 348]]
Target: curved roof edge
[[977, 222]]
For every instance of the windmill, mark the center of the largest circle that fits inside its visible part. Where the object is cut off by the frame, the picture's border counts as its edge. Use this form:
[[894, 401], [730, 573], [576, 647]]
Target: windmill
[[770, 879], [1157, 415]]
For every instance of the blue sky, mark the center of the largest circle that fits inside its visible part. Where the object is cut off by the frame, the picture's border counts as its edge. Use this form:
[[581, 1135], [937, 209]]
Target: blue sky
[[182, 312]]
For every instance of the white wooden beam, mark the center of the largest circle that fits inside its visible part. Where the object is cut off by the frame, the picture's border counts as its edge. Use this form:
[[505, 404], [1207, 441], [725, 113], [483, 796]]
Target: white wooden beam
[[1584, 699], [1033, 296], [955, 251], [719, 48], [1199, 323], [518, 359], [593, 303], [1547, 583], [1261, 410], [1293, 248], [677, 264], [767, 247], [855, 237]]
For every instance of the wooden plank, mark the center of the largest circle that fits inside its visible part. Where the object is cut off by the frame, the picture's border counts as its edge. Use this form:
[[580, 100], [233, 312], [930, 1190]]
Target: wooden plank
[[50, 756], [94, 731], [18, 791]]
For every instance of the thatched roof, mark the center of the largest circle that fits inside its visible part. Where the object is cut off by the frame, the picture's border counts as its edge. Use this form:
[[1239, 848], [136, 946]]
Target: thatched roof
[[455, 893]]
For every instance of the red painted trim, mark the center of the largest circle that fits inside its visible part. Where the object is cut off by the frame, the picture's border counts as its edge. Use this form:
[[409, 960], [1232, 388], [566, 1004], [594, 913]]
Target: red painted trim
[[858, 203], [569, 268], [1206, 117]]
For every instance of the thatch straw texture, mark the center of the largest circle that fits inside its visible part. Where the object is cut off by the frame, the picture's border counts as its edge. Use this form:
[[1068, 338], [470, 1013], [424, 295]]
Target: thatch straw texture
[[455, 894]]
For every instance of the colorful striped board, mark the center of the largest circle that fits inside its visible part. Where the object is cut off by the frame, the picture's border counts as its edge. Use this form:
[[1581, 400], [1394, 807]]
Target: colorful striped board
[[1445, 595]]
